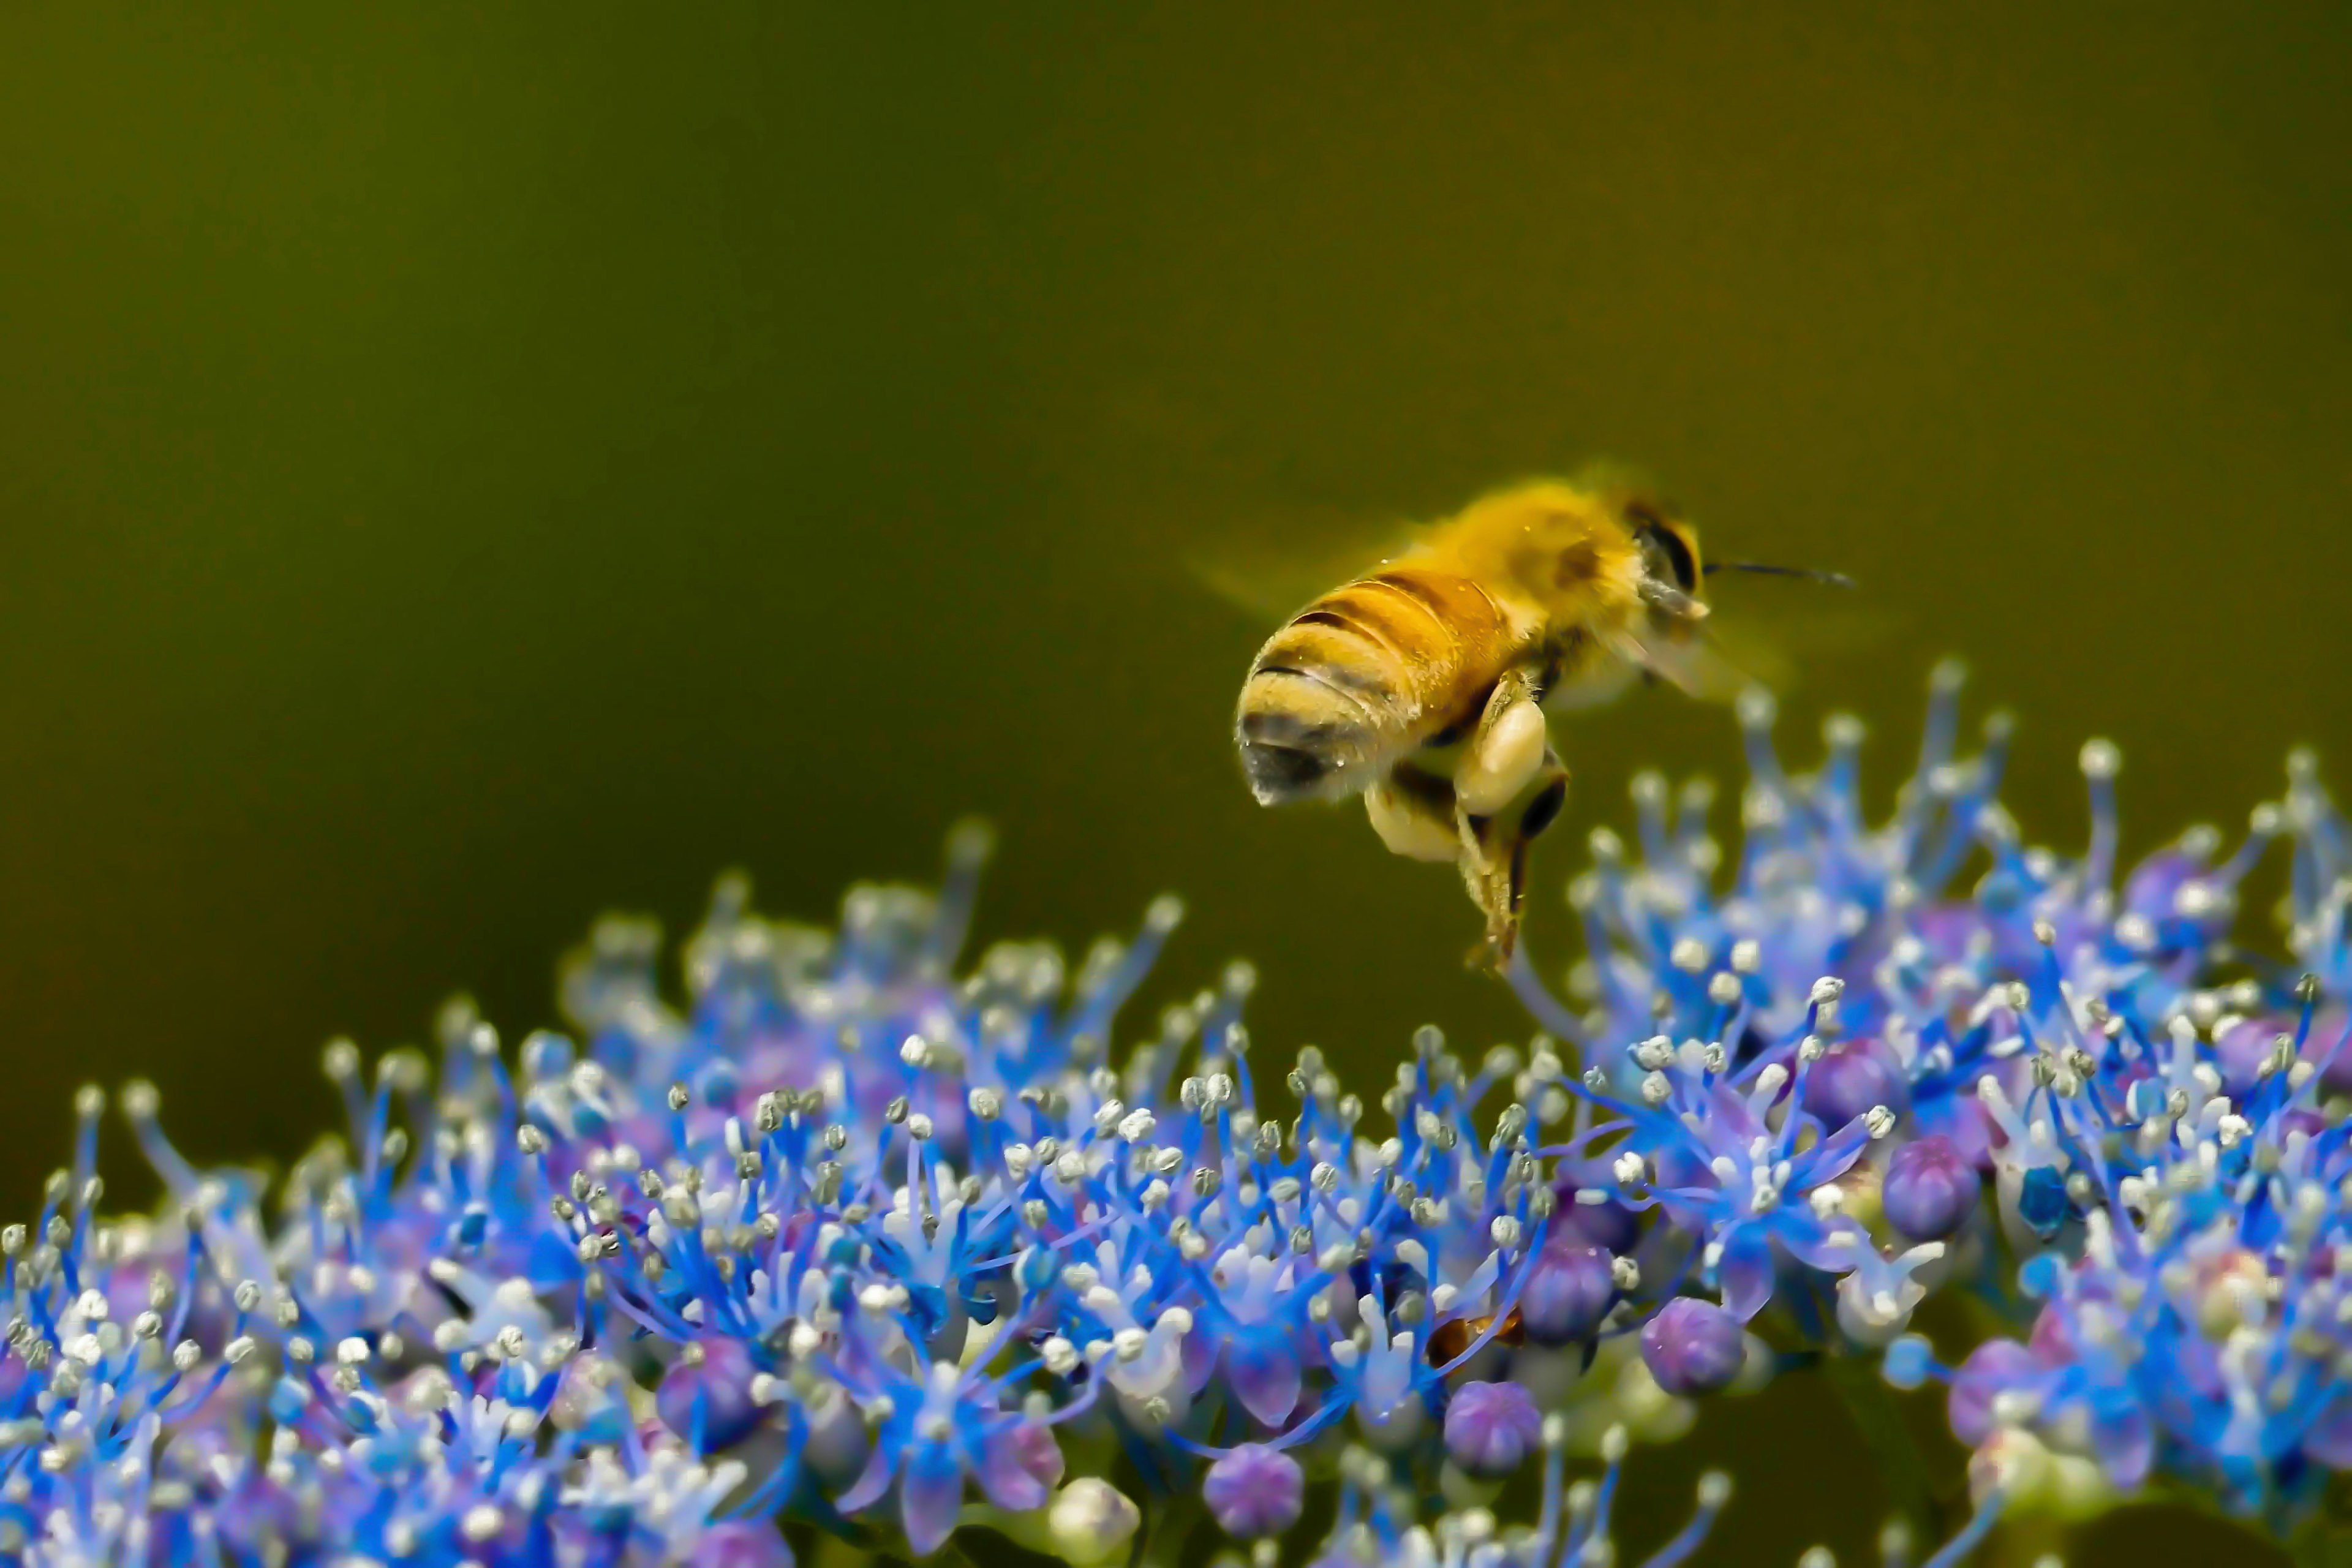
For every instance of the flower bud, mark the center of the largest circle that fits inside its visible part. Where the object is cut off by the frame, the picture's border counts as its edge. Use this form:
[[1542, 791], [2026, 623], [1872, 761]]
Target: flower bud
[[1851, 1078], [741, 1543], [1693, 1346], [719, 1381], [1037, 1453], [1491, 1428], [1608, 1224], [1930, 1188], [1568, 1292], [1255, 1490], [1090, 1522], [1992, 1369]]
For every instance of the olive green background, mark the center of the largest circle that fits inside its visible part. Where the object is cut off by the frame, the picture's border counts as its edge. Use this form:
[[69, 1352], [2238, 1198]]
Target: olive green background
[[463, 468]]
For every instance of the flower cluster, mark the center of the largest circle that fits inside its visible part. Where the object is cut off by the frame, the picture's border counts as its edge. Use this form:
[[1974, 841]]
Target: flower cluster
[[2059, 1087], [851, 1241], [855, 1242]]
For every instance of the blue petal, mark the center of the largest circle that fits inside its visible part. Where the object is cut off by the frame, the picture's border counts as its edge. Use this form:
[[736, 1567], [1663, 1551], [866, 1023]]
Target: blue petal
[[930, 1493], [1744, 1272]]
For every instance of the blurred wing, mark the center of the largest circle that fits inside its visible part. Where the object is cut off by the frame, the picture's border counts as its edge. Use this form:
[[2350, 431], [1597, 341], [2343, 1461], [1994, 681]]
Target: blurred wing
[[1813, 623], [1277, 568], [1730, 657], [1713, 668], [1782, 640], [1594, 690], [1736, 648], [1773, 630]]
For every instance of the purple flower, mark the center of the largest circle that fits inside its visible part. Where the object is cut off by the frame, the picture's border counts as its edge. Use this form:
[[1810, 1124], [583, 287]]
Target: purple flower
[[1929, 1189], [863, 1229], [1255, 1490], [1851, 1078], [1568, 1291], [741, 1543], [1693, 1346], [1993, 1368], [706, 1395], [1036, 1451], [1584, 1214], [1491, 1428]]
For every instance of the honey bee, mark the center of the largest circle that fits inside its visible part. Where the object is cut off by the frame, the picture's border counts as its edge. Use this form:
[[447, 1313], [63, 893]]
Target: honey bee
[[1422, 685], [1452, 1337]]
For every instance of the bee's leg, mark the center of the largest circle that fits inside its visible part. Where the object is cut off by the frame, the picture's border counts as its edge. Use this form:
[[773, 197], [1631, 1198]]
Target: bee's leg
[[1413, 814], [1506, 748], [1493, 856]]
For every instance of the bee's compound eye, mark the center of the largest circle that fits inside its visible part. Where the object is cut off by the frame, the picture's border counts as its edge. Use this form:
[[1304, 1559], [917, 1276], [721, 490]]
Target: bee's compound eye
[[1665, 553], [1679, 557]]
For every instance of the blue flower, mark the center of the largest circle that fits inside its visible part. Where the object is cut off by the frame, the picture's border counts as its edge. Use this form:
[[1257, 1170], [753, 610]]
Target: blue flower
[[937, 1430], [858, 1236], [1702, 1148]]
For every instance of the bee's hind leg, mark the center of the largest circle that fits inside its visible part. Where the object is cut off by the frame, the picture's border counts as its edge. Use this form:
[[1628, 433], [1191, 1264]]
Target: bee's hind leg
[[1413, 814], [1507, 750], [1494, 855]]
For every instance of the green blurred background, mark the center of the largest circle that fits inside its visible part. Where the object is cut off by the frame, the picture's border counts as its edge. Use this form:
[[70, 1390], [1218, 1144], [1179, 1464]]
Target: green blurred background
[[464, 468]]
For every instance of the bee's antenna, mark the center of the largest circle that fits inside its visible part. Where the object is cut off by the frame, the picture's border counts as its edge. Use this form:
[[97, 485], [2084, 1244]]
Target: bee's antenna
[[1832, 579]]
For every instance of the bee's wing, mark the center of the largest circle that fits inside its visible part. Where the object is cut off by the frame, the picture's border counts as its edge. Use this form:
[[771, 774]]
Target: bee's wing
[[1724, 660], [1598, 689], [1276, 569], [1799, 630], [1738, 649], [1704, 667], [1268, 593]]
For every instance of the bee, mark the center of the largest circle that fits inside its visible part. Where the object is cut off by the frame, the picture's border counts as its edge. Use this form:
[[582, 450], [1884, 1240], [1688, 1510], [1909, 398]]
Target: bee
[[1422, 685], [1452, 1337]]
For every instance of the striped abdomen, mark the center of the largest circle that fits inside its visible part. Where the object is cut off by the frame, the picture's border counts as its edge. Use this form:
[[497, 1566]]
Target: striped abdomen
[[1365, 676]]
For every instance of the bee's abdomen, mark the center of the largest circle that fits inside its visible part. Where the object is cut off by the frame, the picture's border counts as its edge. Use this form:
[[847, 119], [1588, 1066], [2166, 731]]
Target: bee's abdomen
[[1360, 677]]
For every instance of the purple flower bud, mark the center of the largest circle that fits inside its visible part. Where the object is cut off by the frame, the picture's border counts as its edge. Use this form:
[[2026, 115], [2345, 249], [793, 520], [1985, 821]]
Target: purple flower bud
[[1255, 1490], [1693, 1346], [1567, 1294], [1020, 1466], [2241, 1052], [1490, 1429], [1611, 1224], [1852, 1077], [1992, 1369], [714, 1375], [741, 1543], [2329, 1439], [1929, 1189], [2336, 1075], [2051, 1338], [1036, 1452]]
